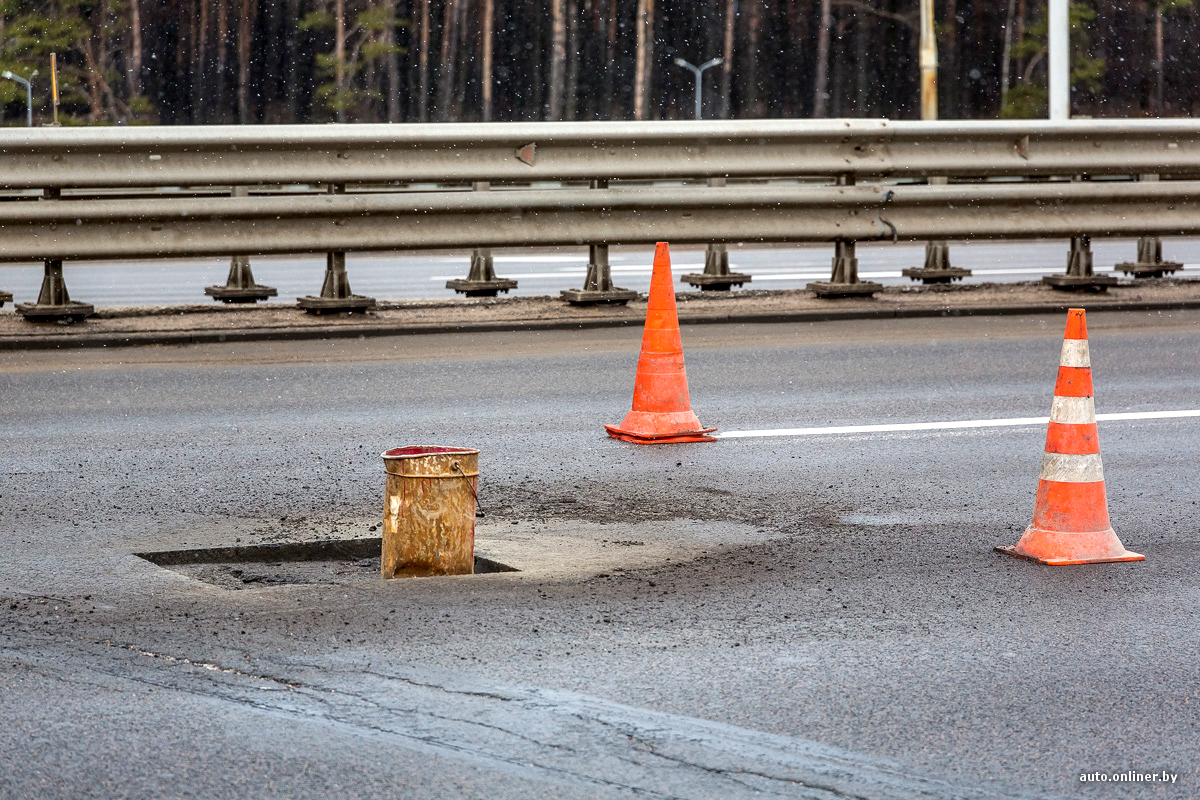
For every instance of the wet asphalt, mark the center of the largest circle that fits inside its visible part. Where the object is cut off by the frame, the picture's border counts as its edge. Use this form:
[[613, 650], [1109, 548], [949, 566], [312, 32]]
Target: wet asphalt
[[798, 617]]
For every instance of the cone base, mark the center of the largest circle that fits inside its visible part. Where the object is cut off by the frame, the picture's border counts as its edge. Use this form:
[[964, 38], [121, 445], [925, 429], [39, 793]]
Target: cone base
[[1062, 562], [637, 438], [642, 427], [1060, 549]]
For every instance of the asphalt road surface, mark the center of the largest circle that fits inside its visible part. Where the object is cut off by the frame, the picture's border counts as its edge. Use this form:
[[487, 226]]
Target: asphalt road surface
[[421, 276], [802, 616]]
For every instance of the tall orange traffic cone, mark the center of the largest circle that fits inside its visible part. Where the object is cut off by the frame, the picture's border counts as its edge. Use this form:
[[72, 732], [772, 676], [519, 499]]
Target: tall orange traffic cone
[[662, 411], [1070, 516]]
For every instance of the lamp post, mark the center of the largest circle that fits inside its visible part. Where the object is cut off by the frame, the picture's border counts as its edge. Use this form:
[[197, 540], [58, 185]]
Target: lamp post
[[699, 73], [1060, 59], [28, 92], [937, 268], [929, 63]]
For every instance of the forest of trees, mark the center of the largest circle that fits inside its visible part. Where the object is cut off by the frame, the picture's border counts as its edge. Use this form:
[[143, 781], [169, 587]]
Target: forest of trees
[[275, 61]]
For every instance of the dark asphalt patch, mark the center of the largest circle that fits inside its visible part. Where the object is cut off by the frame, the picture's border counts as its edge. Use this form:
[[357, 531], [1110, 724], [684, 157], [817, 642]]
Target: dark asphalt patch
[[288, 563]]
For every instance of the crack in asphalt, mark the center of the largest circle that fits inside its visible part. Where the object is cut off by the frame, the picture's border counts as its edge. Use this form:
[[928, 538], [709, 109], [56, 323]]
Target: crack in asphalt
[[211, 667], [645, 733]]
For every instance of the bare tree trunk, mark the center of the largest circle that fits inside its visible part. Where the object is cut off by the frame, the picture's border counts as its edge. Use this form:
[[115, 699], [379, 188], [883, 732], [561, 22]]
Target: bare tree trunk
[[727, 64], [753, 36], [558, 59], [837, 88], [1006, 56], [181, 72], [949, 89], [464, 74], [573, 55], [645, 56], [339, 56], [199, 59], [393, 68], [1160, 67], [821, 80], [245, 31], [423, 64], [485, 78], [133, 61], [610, 55], [95, 101], [291, 79], [445, 71], [222, 58]]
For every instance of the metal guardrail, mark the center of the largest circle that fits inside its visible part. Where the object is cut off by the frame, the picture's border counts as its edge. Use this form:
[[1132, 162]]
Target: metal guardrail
[[583, 151], [909, 163], [103, 229]]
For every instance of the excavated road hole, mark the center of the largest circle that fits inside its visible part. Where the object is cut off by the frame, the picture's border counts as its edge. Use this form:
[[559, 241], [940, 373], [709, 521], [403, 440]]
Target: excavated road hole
[[289, 563]]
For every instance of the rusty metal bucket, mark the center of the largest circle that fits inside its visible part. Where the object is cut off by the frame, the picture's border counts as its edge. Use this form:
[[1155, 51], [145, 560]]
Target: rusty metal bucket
[[429, 511]]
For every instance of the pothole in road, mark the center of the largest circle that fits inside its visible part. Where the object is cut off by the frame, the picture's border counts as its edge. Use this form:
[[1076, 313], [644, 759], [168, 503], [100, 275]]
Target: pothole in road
[[288, 563]]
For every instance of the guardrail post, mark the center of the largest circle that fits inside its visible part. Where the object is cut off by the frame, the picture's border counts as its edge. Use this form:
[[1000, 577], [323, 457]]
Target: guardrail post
[[1149, 262], [481, 280], [54, 303], [844, 281], [937, 268], [598, 286], [716, 276], [1080, 275], [240, 286], [336, 294]]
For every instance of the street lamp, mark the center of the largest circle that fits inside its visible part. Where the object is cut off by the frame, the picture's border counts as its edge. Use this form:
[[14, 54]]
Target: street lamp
[[1060, 59], [699, 73], [28, 92]]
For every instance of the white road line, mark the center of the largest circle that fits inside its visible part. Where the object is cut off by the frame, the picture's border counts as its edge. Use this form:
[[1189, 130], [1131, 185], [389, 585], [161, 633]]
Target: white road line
[[758, 274], [945, 426], [571, 272], [806, 276]]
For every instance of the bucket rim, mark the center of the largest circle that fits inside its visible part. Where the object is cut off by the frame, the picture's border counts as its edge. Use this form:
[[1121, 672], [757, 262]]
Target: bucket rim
[[418, 450]]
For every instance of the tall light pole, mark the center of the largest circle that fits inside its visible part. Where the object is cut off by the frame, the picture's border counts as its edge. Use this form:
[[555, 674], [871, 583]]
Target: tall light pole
[[699, 73], [28, 93], [929, 63], [1060, 59], [937, 268]]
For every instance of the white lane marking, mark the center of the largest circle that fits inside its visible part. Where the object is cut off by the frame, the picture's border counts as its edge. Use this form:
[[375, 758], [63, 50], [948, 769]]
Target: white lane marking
[[805, 276], [947, 425], [573, 272], [1073, 410], [1075, 353], [759, 274], [1067, 468], [564, 259]]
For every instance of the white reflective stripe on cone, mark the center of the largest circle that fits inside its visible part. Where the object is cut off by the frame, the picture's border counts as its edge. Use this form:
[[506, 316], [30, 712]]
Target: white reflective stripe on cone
[[1073, 410], [1075, 353], [1065, 468]]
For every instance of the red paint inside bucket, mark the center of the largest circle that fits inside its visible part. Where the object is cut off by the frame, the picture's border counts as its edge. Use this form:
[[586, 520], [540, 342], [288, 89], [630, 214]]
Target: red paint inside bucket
[[424, 450]]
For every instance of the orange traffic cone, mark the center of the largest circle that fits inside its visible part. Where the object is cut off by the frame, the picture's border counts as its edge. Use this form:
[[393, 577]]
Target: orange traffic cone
[[1070, 516], [662, 412]]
